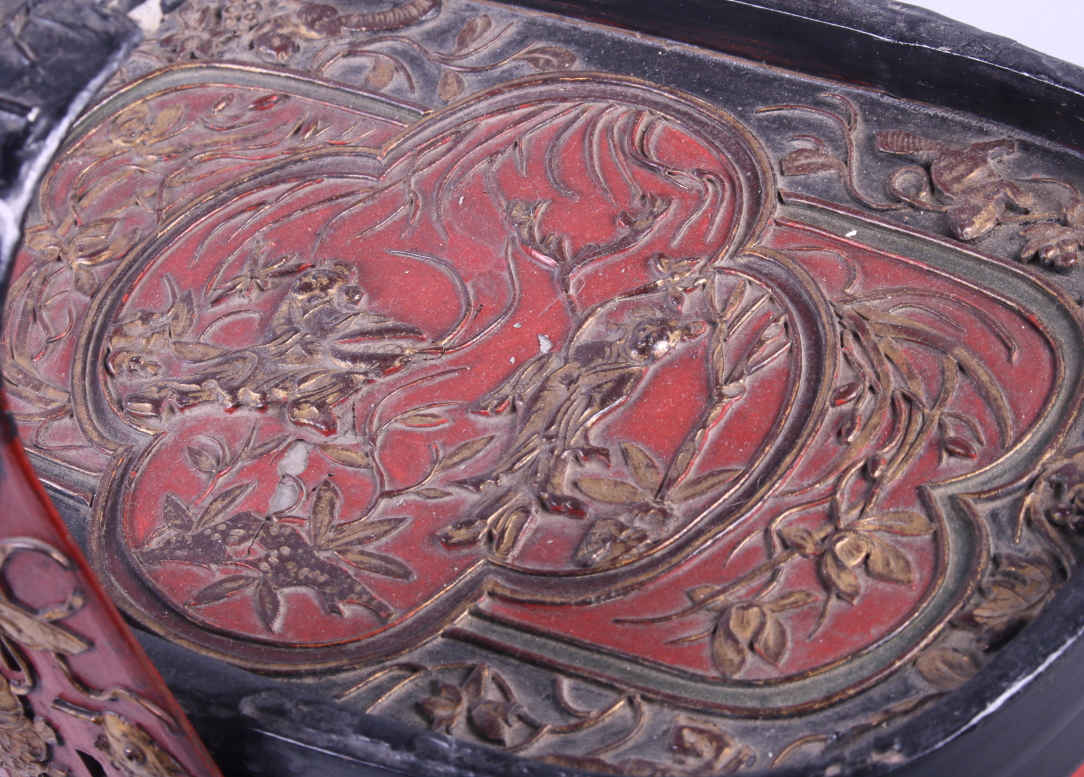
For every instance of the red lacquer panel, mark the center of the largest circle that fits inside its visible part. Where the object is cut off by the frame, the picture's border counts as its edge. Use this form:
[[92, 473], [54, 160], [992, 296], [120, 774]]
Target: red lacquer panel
[[553, 369]]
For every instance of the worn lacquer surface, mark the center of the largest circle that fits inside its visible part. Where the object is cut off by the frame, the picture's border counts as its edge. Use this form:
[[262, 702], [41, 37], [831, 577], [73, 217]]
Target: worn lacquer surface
[[551, 407]]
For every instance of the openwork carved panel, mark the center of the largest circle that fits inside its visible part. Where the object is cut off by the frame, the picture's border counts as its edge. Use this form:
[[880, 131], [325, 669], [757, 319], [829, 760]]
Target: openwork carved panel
[[669, 406], [76, 692]]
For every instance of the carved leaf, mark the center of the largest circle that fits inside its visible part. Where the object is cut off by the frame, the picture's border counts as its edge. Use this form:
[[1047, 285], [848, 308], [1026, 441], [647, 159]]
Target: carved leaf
[[345, 455], [727, 653], [35, 633], [363, 531], [1018, 586], [611, 491], [492, 719], [222, 503], [325, 506], [122, 243], [202, 460], [197, 352], [267, 605], [889, 563], [477, 682], [564, 504], [380, 74], [463, 453], [606, 541], [182, 314], [422, 420], [176, 515], [40, 238], [847, 393], [267, 447], [945, 668], [737, 296], [220, 589], [644, 470], [92, 242], [472, 32], [699, 593], [771, 641], [84, 281], [806, 161], [543, 58], [1001, 602], [800, 539], [791, 601], [507, 530], [376, 563], [839, 578], [465, 532], [432, 493], [850, 426], [960, 446], [267, 102], [905, 522], [702, 485], [164, 121], [444, 709], [451, 85], [1030, 577]]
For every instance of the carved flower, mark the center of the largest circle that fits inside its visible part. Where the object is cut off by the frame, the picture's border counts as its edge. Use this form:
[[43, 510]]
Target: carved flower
[[753, 627], [856, 546], [207, 28], [1058, 495], [1055, 245], [490, 718], [81, 247], [849, 550], [240, 18]]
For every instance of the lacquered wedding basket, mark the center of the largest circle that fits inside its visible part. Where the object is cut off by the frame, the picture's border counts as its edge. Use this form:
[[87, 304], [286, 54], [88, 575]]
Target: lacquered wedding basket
[[541, 388]]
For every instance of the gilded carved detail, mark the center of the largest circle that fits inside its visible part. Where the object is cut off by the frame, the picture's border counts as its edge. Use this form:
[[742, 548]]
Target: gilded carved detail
[[551, 372], [965, 183], [375, 49], [26, 741]]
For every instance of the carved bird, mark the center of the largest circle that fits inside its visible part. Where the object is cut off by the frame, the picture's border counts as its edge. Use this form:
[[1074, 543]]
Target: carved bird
[[557, 398], [322, 344]]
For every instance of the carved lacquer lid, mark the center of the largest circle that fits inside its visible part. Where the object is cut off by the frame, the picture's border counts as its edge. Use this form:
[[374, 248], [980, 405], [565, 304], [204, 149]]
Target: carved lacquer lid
[[620, 405]]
